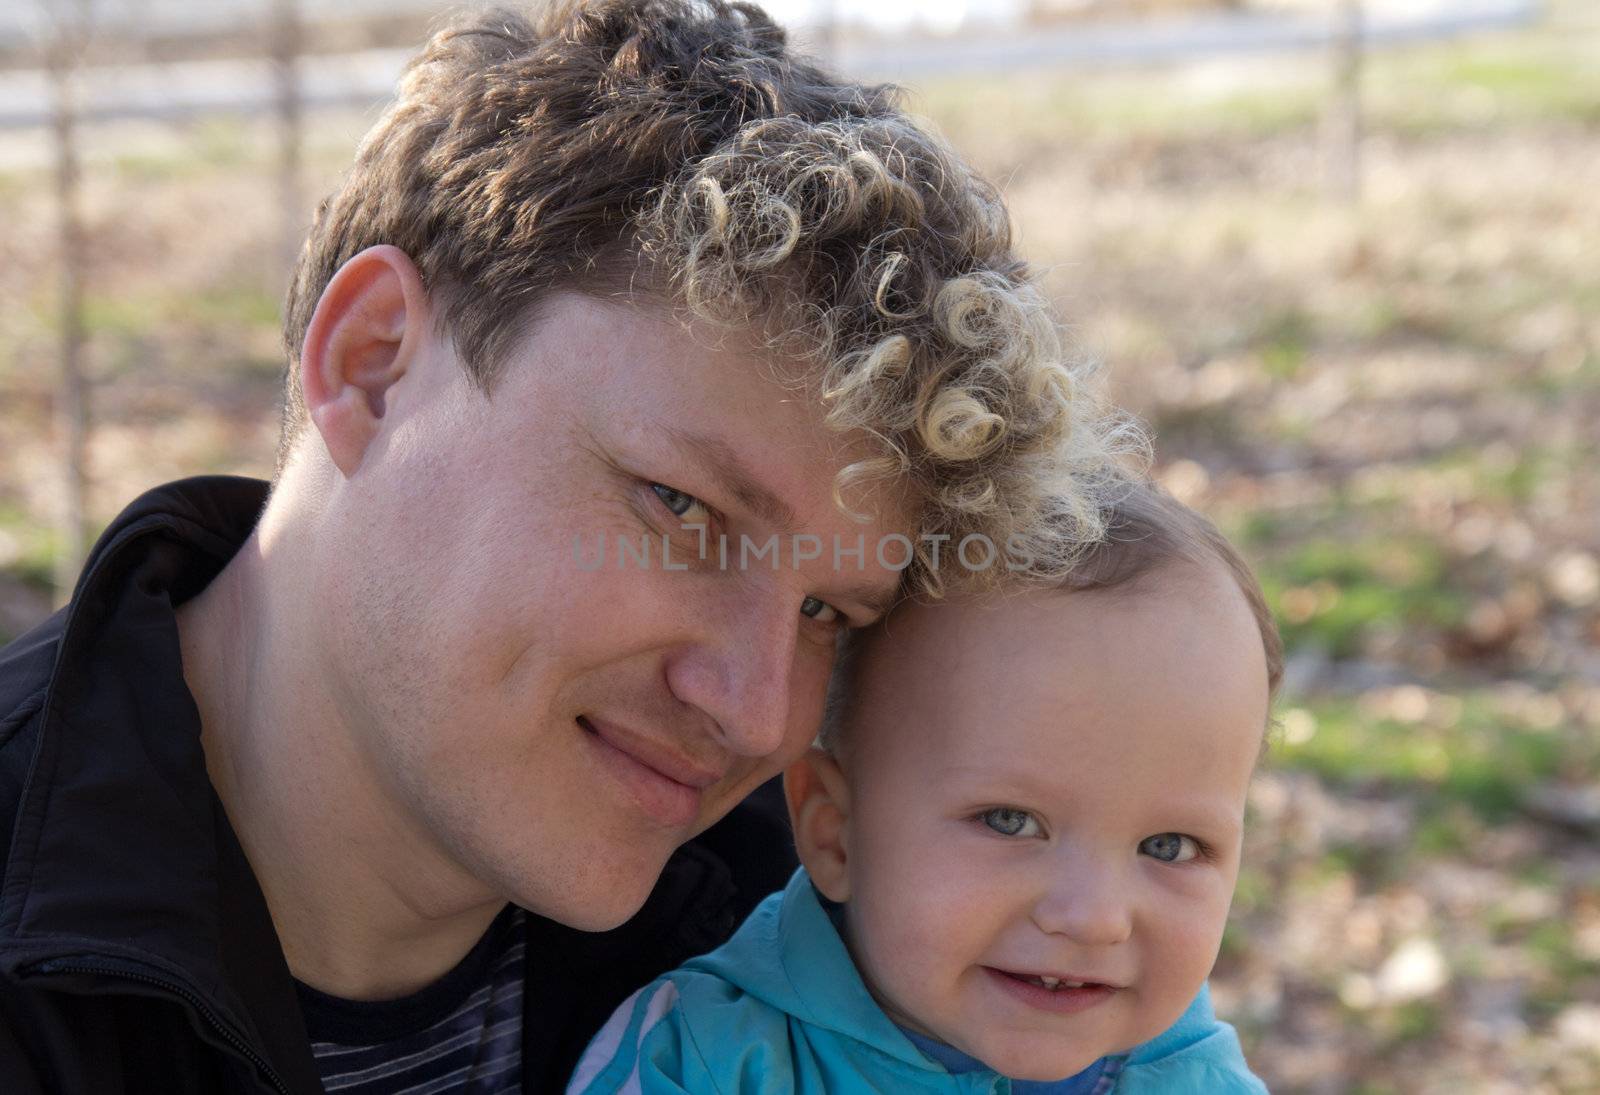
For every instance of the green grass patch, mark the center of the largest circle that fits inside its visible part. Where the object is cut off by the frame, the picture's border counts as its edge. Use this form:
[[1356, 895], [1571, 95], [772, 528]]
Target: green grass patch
[[1534, 74], [1256, 528], [1336, 593], [207, 144], [1284, 342], [1374, 866], [1561, 974], [31, 549], [1048, 105], [1539, 73], [1477, 761], [1552, 944], [131, 315], [1235, 943], [1577, 379], [1184, 425], [1413, 1022], [1511, 476], [1443, 833]]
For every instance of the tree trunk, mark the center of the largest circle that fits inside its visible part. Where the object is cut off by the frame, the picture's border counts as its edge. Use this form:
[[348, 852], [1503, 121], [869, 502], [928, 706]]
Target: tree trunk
[[286, 43], [69, 35], [1342, 138]]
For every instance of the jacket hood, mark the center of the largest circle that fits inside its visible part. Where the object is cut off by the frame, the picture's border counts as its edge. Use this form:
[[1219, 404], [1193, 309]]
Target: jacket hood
[[121, 857], [111, 784], [789, 955]]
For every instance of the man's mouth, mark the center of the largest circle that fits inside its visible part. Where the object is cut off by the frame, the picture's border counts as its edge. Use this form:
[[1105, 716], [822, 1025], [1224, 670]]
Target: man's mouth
[[647, 750], [665, 785]]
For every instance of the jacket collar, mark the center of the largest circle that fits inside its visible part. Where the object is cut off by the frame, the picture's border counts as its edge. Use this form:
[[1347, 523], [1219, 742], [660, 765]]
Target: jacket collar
[[121, 848], [789, 954], [117, 823], [1195, 1025]]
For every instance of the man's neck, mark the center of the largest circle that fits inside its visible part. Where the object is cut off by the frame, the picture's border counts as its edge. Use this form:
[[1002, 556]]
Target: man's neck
[[365, 905]]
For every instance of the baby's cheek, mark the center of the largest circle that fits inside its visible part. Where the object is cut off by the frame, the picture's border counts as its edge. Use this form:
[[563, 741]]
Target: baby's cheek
[[1201, 920], [900, 935], [967, 916], [1180, 961], [1192, 902], [912, 933], [924, 905]]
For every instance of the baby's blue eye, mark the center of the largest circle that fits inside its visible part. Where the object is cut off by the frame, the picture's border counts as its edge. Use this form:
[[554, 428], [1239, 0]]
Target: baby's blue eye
[[1170, 847], [1009, 822]]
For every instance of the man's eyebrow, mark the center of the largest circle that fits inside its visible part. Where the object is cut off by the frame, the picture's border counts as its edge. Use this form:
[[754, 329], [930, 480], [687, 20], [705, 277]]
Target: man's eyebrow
[[717, 458]]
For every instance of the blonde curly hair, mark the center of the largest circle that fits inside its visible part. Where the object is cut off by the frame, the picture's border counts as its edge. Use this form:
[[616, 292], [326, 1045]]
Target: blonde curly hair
[[677, 149]]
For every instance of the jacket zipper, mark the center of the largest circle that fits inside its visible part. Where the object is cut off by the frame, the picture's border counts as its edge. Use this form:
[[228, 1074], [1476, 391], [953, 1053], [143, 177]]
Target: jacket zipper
[[193, 999]]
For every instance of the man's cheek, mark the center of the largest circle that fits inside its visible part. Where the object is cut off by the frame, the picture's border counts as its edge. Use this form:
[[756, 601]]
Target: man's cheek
[[809, 689]]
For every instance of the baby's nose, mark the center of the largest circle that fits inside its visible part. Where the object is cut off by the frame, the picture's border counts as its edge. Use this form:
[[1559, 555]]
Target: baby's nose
[[1089, 905]]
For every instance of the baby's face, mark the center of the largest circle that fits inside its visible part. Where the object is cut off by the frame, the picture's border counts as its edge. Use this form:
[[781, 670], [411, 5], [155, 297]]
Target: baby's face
[[1051, 786]]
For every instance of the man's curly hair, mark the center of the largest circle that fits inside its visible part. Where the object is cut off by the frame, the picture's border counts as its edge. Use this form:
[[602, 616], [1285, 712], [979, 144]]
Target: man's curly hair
[[678, 150]]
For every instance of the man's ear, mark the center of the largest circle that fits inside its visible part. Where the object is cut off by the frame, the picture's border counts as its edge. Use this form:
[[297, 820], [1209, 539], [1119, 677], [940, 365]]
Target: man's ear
[[366, 332], [819, 812]]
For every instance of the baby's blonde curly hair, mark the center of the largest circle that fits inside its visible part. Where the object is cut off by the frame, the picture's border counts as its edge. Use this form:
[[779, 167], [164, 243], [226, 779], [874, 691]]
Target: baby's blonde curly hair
[[678, 150]]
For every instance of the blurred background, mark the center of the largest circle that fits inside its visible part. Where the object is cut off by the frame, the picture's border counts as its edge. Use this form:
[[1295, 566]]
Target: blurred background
[[1343, 256]]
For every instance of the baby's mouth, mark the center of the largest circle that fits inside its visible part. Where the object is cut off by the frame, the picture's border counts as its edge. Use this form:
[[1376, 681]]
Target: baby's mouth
[[1048, 992], [1051, 983], [1054, 983]]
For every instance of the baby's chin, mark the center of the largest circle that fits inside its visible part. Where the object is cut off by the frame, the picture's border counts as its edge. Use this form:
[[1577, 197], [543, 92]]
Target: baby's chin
[[1041, 1058]]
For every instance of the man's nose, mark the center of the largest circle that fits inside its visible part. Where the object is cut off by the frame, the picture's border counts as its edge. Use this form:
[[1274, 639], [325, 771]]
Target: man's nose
[[740, 670], [1088, 902]]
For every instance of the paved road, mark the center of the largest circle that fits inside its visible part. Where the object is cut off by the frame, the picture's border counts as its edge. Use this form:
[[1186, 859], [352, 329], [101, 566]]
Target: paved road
[[196, 88]]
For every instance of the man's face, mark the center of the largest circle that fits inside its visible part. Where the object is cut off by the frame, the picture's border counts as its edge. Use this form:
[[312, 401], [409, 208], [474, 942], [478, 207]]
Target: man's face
[[1046, 800], [550, 728]]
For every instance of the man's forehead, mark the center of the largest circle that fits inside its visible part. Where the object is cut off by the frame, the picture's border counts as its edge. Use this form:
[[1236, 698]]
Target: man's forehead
[[744, 420]]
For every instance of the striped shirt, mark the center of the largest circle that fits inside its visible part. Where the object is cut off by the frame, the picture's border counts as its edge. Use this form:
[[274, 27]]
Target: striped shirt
[[461, 1034]]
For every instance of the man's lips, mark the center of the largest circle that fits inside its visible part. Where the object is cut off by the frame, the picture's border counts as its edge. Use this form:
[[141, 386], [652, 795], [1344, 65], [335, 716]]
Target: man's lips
[[666, 784], [663, 758]]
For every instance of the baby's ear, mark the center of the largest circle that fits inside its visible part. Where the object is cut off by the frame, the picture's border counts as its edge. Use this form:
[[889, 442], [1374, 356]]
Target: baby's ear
[[819, 811]]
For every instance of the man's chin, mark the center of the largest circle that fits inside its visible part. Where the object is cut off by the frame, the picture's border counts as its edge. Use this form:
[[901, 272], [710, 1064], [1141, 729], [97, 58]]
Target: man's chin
[[597, 907]]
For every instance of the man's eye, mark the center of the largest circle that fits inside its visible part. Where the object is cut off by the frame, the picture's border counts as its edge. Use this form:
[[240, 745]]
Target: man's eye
[[819, 610], [686, 507], [1008, 822], [1170, 847]]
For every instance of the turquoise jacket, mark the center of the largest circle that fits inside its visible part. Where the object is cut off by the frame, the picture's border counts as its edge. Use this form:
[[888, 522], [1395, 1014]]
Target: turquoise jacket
[[780, 1010]]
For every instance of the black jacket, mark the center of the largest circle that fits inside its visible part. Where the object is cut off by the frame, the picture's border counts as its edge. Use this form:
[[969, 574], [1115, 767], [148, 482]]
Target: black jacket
[[136, 951]]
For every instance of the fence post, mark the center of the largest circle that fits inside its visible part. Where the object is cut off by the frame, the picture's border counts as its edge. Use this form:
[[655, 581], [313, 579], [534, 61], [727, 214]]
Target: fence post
[[1343, 128], [286, 44], [69, 33]]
